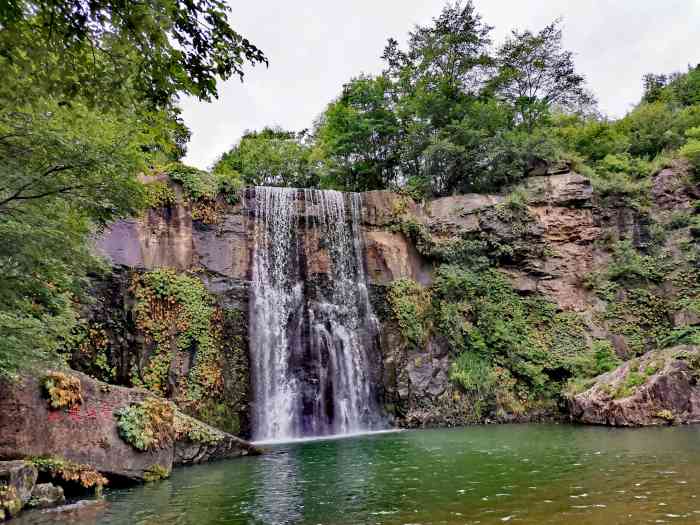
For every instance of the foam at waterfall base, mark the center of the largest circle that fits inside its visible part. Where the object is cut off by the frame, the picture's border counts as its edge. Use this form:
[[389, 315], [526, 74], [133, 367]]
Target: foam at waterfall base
[[283, 441]]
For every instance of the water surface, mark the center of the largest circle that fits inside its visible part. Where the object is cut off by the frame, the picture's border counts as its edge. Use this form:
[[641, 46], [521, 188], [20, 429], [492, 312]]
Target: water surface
[[530, 474]]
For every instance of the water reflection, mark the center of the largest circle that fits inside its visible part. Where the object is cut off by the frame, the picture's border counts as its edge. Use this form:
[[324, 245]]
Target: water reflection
[[277, 491], [521, 474]]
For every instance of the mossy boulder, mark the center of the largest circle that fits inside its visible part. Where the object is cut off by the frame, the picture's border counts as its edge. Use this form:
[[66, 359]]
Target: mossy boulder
[[658, 388], [87, 433]]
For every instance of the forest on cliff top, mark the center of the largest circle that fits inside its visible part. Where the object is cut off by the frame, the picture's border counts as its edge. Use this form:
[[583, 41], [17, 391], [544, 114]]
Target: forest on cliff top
[[89, 101]]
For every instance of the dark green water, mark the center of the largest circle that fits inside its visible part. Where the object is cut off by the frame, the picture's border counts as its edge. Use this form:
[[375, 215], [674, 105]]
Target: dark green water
[[494, 474]]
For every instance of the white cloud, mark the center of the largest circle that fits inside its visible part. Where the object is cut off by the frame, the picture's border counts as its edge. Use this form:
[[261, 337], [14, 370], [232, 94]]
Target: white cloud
[[314, 46]]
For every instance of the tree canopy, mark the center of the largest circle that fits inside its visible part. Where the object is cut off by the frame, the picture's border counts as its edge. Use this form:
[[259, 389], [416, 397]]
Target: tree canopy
[[271, 157], [88, 100]]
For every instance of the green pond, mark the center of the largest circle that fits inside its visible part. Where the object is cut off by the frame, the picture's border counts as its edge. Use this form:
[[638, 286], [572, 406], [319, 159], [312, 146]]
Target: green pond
[[490, 474]]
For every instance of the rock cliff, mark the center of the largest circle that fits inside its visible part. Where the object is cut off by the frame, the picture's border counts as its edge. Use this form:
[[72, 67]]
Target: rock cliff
[[554, 239]]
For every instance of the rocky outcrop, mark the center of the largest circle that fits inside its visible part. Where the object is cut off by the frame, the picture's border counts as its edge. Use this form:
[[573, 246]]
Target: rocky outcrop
[[87, 433], [658, 388]]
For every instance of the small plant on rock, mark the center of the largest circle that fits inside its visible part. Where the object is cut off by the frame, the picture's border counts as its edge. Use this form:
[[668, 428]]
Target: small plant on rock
[[666, 415], [62, 469], [190, 429], [147, 425], [62, 390]]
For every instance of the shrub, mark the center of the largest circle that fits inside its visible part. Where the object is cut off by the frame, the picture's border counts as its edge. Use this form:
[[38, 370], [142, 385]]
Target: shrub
[[691, 149], [159, 194], [652, 129], [473, 373], [190, 429], [605, 357], [410, 303], [616, 184], [197, 184], [629, 265], [678, 220], [147, 425], [516, 200], [62, 390], [173, 307]]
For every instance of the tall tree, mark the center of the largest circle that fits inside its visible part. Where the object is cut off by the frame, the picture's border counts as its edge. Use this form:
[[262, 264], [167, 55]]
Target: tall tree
[[536, 74], [357, 136], [100, 49], [435, 83]]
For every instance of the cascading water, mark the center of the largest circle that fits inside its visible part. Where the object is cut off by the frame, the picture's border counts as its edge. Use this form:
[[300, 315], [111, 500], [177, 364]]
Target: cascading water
[[313, 333]]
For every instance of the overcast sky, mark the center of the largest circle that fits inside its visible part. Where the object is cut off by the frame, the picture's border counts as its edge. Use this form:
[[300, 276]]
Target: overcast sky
[[314, 46]]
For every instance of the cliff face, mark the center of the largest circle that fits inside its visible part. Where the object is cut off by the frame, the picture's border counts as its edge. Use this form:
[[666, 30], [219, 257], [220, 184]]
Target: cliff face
[[556, 242]]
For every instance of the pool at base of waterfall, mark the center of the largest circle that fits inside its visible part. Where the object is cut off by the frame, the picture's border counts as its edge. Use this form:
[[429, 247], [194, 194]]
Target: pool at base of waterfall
[[529, 474]]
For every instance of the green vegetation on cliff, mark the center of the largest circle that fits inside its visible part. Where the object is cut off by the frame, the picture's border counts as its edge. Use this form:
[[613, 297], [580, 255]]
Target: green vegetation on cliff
[[510, 353]]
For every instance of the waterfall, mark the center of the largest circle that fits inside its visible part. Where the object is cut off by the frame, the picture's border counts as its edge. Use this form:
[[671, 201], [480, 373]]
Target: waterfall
[[312, 329]]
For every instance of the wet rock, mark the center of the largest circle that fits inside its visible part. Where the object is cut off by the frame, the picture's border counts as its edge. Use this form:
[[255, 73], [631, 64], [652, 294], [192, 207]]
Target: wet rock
[[84, 511], [188, 452], [46, 495], [660, 387]]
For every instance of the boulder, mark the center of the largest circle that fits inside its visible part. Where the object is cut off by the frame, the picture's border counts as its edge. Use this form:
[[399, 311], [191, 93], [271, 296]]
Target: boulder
[[660, 387], [46, 495], [86, 433]]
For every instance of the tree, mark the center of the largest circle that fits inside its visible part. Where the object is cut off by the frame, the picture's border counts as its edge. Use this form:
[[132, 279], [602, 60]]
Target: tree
[[448, 55], [678, 89], [357, 136], [88, 99], [63, 172], [653, 87], [536, 74], [271, 157], [101, 49]]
